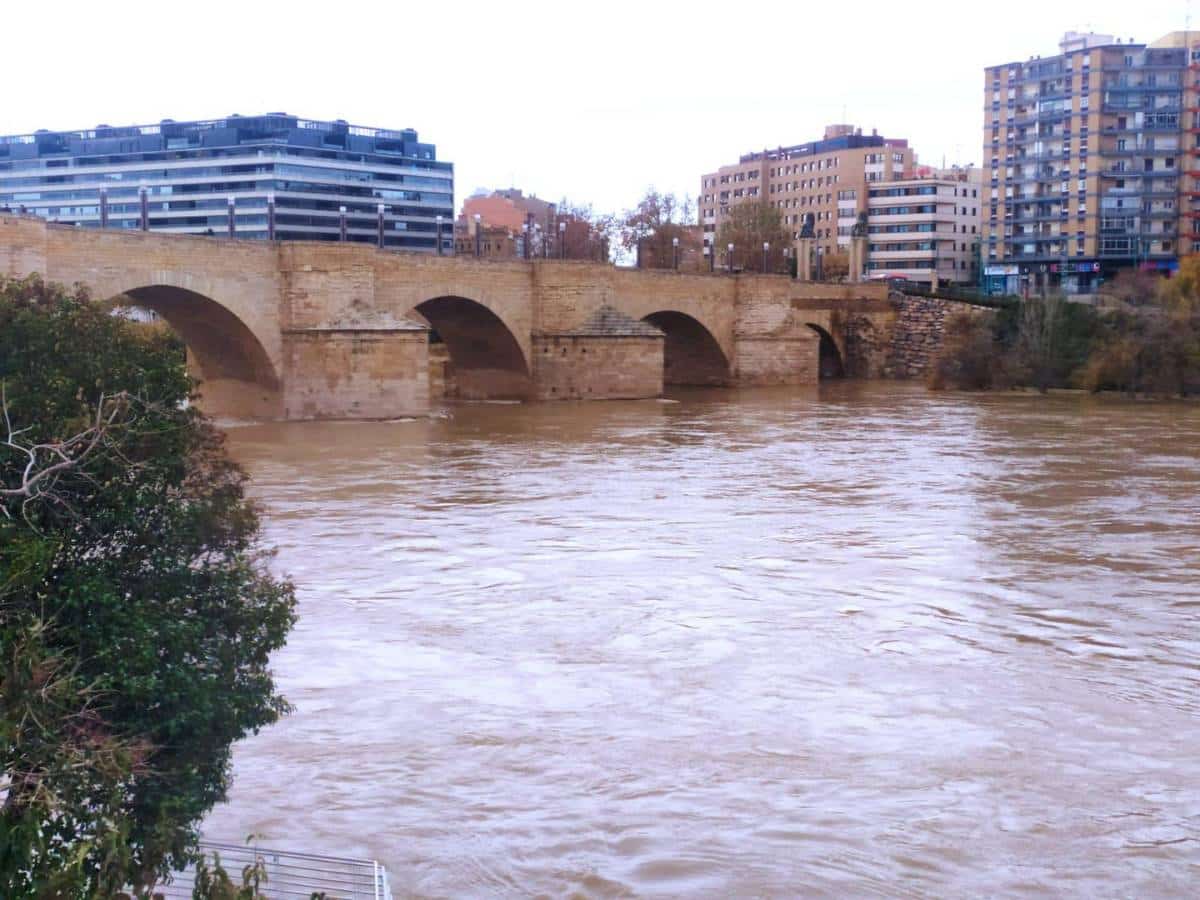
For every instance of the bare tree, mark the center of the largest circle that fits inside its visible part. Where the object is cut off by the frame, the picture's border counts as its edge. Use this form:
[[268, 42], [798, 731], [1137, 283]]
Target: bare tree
[[751, 224], [1037, 344], [651, 228]]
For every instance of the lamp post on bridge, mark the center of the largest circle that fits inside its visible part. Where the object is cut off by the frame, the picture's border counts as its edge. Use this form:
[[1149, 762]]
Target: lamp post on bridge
[[766, 254], [143, 208], [478, 236], [103, 207], [342, 223], [439, 235], [380, 225], [562, 240], [270, 217], [675, 253], [525, 241], [231, 215], [729, 257]]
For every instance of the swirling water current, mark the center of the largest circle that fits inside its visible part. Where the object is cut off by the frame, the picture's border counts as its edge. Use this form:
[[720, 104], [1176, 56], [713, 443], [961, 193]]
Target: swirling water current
[[850, 641]]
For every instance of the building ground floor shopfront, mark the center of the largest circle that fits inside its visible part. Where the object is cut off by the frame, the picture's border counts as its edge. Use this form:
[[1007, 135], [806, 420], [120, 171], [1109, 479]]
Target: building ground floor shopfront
[[1083, 276]]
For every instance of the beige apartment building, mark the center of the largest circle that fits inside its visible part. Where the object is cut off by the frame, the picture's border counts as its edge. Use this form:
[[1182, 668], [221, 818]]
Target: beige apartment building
[[1091, 159], [828, 178], [926, 229]]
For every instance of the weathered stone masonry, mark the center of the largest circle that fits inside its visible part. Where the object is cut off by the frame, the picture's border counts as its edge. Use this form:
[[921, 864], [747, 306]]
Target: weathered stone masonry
[[318, 330]]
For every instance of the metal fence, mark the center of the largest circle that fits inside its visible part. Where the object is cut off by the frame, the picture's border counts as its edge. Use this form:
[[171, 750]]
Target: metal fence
[[958, 295], [290, 876]]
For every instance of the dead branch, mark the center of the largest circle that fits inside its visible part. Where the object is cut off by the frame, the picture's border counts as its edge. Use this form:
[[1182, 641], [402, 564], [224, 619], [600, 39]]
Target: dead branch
[[46, 462]]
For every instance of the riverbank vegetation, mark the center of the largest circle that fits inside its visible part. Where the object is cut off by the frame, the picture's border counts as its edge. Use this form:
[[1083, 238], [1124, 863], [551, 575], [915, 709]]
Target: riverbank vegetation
[[136, 614], [1143, 339]]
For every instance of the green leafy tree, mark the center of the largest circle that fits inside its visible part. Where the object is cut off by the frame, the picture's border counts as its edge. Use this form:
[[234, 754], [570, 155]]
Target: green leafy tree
[[136, 614]]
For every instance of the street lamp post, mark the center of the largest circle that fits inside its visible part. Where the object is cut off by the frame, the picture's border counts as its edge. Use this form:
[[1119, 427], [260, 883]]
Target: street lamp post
[[729, 257], [562, 240], [478, 236], [380, 226], [143, 208], [103, 207], [231, 215], [766, 253], [525, 241], [342, 222], [711, 249], [439, 235], [820, 267], [270, 217], [675, 253]]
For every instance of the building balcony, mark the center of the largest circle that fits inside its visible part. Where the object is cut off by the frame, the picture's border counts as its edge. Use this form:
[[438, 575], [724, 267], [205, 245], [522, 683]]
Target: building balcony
[[1129, 108], [1043, 217], [1143, 88], [1132, 129], [1145, 66]]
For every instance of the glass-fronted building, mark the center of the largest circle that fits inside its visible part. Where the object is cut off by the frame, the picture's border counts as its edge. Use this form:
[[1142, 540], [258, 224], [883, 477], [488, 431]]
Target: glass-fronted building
[[274, 175]]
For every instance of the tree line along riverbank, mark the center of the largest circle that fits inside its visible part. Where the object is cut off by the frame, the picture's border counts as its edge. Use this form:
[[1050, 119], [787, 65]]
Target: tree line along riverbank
[[1142, 339]]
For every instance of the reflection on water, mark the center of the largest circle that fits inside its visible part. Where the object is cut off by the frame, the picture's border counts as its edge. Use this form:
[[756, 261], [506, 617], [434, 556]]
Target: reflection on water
[[871, 641]]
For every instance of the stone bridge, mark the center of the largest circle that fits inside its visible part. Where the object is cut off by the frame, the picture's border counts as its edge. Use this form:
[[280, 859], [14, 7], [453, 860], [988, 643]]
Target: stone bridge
[[303, 330]]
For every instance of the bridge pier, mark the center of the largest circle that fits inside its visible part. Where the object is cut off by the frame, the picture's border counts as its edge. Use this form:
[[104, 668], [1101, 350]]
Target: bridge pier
[[356, 372], [611, 356]]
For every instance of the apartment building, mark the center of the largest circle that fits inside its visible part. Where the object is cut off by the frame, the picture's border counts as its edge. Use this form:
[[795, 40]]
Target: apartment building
[[509, 208], [509, 219], [926, 229], [494, 241], [1091, 162], [828, 178]]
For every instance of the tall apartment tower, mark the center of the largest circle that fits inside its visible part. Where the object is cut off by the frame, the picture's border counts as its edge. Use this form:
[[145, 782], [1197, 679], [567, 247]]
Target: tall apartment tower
[[1090, 163], [828, 178]]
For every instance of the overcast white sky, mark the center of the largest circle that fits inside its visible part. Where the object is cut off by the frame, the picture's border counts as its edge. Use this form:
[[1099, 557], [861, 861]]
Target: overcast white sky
[[593, 101]]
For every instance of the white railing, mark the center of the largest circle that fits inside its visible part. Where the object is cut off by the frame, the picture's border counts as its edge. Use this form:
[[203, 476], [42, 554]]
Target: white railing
[[289, 875]]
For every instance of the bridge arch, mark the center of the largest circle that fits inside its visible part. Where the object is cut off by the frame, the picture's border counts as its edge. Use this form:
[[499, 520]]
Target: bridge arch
[[830, 361], [484, 359], [238, 376], [692, 355]]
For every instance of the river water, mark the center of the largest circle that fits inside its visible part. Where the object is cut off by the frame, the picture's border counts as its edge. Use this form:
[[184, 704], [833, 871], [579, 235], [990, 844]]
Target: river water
[[841, 642]]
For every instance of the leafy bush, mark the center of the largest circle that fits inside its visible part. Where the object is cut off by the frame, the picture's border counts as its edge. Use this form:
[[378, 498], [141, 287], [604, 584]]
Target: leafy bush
[[972, 356], [1148, 342], [136, 615]]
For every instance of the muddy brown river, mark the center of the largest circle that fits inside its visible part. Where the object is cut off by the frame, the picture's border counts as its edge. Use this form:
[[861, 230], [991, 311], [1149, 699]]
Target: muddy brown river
[[855, 641]]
